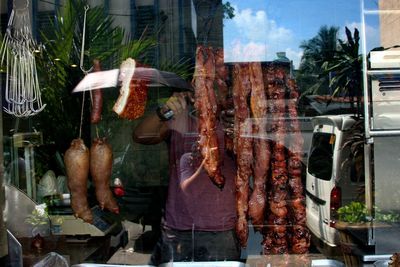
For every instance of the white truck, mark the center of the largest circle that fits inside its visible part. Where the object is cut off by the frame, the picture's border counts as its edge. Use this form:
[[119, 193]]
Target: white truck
[[332, 182], [331, 178]]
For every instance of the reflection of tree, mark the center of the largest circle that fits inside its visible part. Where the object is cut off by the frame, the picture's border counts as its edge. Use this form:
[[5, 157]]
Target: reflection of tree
[[346, 66], [210, 14], [209, 18], [60, 120], [332, 66], [316, 51]]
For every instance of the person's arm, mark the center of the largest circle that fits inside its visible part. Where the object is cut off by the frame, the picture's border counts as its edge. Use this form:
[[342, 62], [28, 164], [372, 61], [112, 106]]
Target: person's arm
[[152, 130], [188, 174]]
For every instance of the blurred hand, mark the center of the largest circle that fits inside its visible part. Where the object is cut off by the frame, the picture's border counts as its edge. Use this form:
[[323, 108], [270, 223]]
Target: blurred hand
[[228, 119], [179, 101]]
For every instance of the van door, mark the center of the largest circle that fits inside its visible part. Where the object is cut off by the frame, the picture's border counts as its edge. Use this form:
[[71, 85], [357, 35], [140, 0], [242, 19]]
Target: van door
[[320, 183]]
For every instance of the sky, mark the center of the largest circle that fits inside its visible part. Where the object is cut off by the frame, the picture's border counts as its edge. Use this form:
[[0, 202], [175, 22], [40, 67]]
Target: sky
[[261, 28]]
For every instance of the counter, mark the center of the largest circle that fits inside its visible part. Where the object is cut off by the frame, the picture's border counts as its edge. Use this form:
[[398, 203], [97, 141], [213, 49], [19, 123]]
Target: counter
[[95, 249]]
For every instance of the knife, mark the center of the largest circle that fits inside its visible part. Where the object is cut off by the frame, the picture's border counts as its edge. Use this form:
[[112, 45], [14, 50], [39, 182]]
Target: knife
[[113, 78]]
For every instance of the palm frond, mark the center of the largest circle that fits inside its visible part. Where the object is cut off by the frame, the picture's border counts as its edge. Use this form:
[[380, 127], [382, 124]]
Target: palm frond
[[183, 68], [62, 45]]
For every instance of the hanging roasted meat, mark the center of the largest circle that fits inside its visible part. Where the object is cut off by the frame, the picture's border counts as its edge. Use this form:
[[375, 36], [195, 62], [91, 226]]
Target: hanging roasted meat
[[221, 77], [101, 159], [97, 98], [243, 147], [275, 239], [300, 238], [261, 148], [207, 107], [225, 101], [76, 160]]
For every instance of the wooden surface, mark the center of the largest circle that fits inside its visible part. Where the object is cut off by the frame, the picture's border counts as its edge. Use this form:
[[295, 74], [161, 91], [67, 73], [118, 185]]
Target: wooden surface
[[292, 260]]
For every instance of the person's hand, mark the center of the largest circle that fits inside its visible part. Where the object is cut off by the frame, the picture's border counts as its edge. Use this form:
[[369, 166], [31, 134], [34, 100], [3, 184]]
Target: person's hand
[[178, 102]]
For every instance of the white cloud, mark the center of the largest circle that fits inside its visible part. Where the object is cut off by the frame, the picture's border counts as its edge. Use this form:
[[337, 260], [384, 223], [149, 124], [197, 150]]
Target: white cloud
[[295, 56], [240, 52], [258, 38], [255, 26]]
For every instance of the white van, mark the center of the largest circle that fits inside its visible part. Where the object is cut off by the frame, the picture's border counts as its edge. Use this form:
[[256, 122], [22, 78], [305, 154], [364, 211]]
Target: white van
[[330, 180]]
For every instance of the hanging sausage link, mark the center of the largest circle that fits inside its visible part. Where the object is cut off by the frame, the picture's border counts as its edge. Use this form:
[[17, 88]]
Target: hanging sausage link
[[300, 237], [243, 147], [206, 106], [261, 148]]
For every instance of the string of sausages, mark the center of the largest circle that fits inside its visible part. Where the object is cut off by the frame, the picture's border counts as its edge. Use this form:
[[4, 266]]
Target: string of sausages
[[261, 146], [300, 238], [275, 237], [285, 230], [243, 147], [272, 164], [269, 191]]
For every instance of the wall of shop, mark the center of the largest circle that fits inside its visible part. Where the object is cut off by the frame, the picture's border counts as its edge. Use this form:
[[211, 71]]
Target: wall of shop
[[389, 22]]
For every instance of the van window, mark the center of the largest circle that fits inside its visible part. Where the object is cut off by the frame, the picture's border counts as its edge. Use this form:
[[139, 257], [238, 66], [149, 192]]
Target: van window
[[321, 156]]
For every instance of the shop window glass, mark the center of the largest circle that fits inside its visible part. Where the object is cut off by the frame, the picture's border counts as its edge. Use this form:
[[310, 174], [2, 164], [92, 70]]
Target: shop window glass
[[310, 55], [321, 156]]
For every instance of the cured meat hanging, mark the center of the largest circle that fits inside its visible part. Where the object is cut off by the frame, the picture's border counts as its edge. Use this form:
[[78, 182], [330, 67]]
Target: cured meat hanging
[[285, 229], [221, 85], [101, 159], [97, 98], [276, 232], [243, 147], [76, 160], [300, 237], [221, 76], [276, 170], [261, 148], [206, 106]]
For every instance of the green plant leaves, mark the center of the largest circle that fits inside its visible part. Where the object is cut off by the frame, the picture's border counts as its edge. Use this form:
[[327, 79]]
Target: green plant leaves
[[357, 212]]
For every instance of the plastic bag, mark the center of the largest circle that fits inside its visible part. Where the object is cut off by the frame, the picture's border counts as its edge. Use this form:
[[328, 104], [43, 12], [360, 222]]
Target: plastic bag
[[52, 259], [62, 184], [48, 184]]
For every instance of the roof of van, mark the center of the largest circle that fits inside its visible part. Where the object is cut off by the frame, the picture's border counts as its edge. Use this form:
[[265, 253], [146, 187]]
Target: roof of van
[[342, 121]]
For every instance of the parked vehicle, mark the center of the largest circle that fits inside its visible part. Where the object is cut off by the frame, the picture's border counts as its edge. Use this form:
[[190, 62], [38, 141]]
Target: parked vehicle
[[332, 179]]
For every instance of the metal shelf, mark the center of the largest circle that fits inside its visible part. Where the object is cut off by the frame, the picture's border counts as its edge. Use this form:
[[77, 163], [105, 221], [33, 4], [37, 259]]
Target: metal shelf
[[378, 12], [370, 131], [383, 71], [383, 133]]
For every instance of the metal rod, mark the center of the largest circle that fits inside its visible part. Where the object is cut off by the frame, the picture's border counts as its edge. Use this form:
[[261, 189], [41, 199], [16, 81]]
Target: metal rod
[[367, 147], [383, 133], [83, 43]]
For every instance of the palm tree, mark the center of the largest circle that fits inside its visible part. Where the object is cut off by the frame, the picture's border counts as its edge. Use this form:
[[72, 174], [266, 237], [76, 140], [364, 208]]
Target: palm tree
[[57, 66], [316, 51], [347, 68]]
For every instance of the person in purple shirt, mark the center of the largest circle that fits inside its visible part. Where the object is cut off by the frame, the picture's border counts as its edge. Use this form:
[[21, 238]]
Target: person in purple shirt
[[199, 219]]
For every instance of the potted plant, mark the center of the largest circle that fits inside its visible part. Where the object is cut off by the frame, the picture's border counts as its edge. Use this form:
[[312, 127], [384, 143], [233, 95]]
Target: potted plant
[[354, 223], [39, 220]]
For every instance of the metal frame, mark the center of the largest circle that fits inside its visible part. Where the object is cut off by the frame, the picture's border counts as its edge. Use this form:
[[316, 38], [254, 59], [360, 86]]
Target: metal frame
[[370, 132]]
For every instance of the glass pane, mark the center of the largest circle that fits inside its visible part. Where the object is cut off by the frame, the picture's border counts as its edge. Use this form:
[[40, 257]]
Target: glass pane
[[230, 89], [321, 156]]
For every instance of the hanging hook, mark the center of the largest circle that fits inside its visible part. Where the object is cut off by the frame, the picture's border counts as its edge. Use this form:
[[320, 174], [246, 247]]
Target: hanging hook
[[83, 43]]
